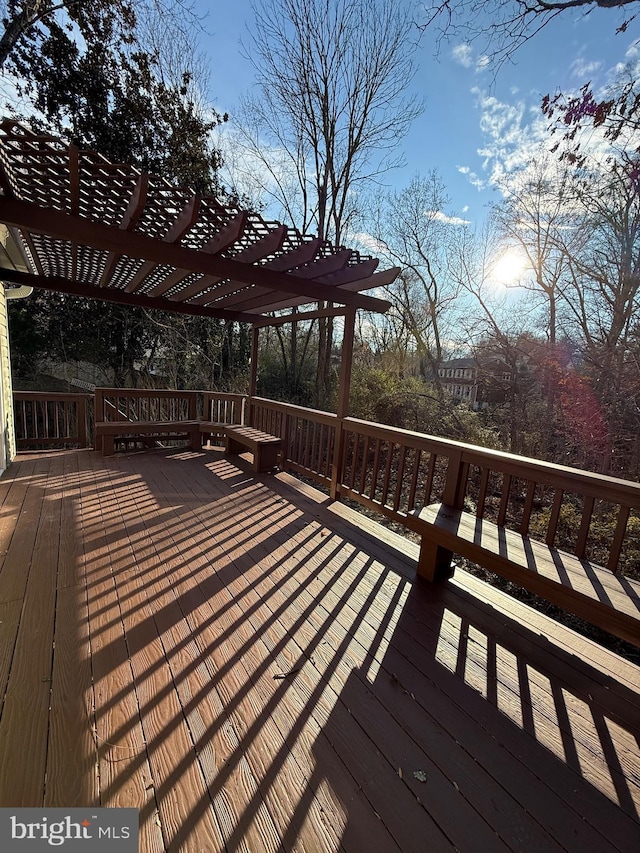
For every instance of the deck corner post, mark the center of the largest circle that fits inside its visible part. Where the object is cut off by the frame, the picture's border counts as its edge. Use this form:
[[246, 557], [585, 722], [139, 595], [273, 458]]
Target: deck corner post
[[286, 439], [456, 482], [98, 414], [338, 462], [82, 422], [434, 562]]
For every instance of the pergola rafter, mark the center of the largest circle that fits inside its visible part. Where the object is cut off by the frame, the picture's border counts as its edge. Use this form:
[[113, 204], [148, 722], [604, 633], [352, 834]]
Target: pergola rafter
[[89, 227]]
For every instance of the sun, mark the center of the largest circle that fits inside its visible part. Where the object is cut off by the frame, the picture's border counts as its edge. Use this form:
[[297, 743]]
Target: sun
[[509, 267]]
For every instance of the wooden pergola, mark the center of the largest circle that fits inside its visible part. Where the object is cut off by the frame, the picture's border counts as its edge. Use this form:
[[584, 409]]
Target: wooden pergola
[[84, 226]]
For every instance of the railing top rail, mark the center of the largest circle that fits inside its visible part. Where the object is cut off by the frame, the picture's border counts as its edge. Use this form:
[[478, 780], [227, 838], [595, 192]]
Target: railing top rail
[[299, 411], [147, 392], [224, 395], [546, 473], [51, 395]]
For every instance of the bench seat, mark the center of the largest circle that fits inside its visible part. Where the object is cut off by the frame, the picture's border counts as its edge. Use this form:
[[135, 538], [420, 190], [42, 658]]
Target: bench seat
[[590, 591], [106, 432], [264, 447]]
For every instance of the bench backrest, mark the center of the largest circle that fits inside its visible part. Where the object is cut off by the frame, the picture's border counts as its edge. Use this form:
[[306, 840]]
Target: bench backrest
[[134, 404], [223, 408]]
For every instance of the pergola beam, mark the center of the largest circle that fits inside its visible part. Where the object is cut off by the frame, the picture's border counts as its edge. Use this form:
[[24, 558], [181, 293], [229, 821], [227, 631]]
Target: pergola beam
[[109, 294], [76, 229], [299, 317]]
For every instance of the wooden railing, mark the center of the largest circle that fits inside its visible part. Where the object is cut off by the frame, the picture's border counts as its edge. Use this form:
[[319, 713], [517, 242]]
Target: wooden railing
[[308, 436], [557, 504], [63, 420], [392, 471], [397, 472], [51, 420]]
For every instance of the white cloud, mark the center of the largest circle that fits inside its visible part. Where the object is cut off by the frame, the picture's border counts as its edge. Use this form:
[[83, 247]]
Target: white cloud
[[474, 180], [633, 51], [439, 216], [513, 135], [463, 54], [368, 242], [582, 69]]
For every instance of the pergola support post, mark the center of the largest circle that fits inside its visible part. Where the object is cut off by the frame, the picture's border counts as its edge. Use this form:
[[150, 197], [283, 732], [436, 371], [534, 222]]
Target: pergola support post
[[344, 390], [253, 371]]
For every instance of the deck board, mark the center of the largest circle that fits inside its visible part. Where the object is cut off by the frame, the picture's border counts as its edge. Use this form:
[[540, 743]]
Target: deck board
[[250, 681], [255, 669], [125, 776], [72, 777], [27, 697]]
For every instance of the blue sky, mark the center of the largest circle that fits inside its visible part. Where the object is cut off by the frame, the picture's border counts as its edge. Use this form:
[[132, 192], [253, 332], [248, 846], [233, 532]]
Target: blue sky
[[475, 123]]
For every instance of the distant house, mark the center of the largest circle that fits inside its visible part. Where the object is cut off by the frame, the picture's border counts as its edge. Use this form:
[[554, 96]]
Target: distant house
[[460, 378], [478, 381]]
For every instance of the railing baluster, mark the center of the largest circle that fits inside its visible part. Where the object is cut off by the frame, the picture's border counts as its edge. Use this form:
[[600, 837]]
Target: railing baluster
[[618, 539], [431, 471], [528, 507], [365, 460], [398, 491], [376, 468], [585, 523], [482, 494], [353, 443], [414, 480], [387, 473], [555, 516], [314, 448], [504, 500]]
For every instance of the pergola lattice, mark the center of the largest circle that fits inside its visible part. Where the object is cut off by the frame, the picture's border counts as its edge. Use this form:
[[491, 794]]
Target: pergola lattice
[[85, 226]]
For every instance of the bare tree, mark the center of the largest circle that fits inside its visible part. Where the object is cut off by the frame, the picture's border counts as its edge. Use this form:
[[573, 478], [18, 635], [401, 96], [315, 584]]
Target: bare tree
[[411, 228], [535, 215], [332, 77], [496, 327], [604, 298], [500, 27], [581, 231]]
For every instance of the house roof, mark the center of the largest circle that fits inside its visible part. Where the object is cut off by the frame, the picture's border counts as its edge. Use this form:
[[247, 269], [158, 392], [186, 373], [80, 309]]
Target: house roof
[[83, 225], [458, 363]]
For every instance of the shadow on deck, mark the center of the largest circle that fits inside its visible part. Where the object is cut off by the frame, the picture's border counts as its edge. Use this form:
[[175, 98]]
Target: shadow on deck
[[257, 670]]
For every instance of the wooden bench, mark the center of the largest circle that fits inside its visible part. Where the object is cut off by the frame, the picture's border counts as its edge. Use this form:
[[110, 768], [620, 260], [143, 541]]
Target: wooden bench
[[610, 601], [264, 447], [106, 433]]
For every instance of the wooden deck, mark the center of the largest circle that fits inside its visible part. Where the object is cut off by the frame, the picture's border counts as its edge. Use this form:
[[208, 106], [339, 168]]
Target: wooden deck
[[255, 670]]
